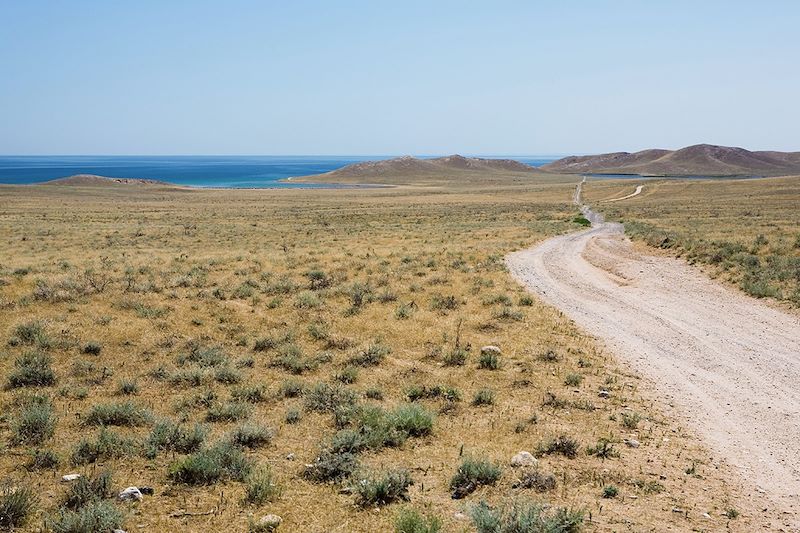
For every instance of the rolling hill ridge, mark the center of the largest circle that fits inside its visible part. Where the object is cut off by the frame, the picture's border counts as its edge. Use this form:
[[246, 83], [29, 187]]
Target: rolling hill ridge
[[700, 159]]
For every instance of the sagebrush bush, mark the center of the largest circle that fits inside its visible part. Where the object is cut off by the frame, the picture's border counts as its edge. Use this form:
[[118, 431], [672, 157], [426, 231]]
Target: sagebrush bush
[[383, 488], [251, 436], [32, 369], [471, 474], [33, 333], [86, 490], [118, 414], [332, 466], [43, 460], [372, 355], [35, 423], [169, 436], [325, 398], [223, 461], [411, 521], [261, 487], [107, 445], [228, 412], [16, 506], [563, 445], [524, 516], [96, 517], [483, 397], [489, 361], [250, 393]]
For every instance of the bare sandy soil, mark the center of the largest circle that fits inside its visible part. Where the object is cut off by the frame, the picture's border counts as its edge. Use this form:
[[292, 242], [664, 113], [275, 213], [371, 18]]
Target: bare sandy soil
[[728, 364]]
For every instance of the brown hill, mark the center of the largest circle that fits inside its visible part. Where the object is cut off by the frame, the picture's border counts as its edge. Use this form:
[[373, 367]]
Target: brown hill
[[91, 180], [408, 166], [700, 159]]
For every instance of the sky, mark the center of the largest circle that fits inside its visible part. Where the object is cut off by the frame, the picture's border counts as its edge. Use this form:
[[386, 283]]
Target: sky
[[401, 77]]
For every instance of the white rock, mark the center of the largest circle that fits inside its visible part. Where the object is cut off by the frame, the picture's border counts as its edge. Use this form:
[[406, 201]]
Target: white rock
[[523, 459], [458, 515], [131, 494], [706, 515], [604, 393], [270, 521], [290, 457], [70, 477], [633, 443], [490, 349]]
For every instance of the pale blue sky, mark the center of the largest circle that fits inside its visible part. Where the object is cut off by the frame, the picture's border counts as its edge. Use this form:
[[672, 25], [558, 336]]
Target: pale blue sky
[[373, 77]]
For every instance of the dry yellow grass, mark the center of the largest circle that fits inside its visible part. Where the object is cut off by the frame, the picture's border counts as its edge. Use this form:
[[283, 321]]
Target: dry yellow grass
[[226, 268], [743, 231]]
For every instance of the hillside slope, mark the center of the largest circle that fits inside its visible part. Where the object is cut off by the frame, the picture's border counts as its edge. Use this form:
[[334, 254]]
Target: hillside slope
[[409, 169], [92, 180], [700, 159]]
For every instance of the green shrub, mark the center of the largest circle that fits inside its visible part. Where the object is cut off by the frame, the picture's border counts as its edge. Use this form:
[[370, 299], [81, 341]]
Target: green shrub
[[36, 422], [33, 333], [292, 388], [456, 357], [223, 461], [370, 356], [373, 393], [610, 491], [107, 445], [471, 474], [411, 521], [383, 489], [251, 436], [443, 303], [261, 487], [308, 300], [563, 445], [128, 387], [228, 412], [250, 393], [43, 460], [118, 414], [92, 348], [227, 375], [203, 356], [631, 420], [489, 361], [86, 490], [293, 416], [32, 369], [348, 375], [573, 379], [528, 517], [413, 419], [169, 436], [331, 466], [16, 505], [94, 518], [483, 397], [603, 449], [326, 398]]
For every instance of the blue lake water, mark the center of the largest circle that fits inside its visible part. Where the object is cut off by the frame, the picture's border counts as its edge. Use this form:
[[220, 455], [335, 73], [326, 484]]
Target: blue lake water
[[197, 171]]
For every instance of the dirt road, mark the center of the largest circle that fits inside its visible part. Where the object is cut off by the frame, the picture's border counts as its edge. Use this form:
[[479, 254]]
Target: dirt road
[[729, 364]]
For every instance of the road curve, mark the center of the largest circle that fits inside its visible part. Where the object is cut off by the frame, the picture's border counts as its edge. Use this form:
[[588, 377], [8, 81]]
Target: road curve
[[728, 363], [637, 192]]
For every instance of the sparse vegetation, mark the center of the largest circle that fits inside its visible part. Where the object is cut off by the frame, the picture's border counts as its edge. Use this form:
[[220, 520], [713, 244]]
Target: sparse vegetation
[[343, 331], [472, 473]]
